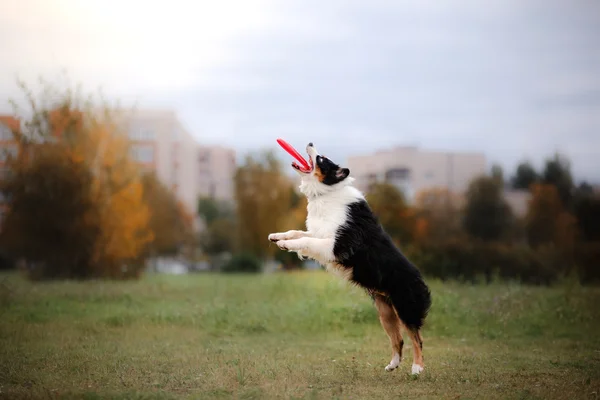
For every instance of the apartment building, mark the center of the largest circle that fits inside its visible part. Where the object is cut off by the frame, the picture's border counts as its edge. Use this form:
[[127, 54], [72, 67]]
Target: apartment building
[[216, 171], [161, 143], [412, 169]]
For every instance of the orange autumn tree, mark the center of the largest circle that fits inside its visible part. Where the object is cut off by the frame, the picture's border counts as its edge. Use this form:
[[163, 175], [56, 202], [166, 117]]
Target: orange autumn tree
[[73, 153], [118, 192], [438, 215], [547, 221], [390, 207], [294, 219], [262, 194], [171, 224]]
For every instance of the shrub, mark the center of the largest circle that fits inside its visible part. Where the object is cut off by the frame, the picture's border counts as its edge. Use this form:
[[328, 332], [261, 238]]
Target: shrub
[[245, 263], [472, 260]]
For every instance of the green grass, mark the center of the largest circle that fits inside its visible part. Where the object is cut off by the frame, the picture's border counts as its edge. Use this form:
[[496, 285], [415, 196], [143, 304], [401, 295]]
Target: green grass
[[293, 336]]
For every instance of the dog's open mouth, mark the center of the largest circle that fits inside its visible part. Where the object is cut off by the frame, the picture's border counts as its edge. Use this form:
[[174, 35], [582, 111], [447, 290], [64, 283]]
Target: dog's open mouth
[[304, 166], [304, 169]]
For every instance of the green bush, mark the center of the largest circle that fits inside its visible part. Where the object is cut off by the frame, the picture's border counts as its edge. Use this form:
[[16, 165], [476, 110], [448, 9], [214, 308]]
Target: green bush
[[472, 261], [245, 263]]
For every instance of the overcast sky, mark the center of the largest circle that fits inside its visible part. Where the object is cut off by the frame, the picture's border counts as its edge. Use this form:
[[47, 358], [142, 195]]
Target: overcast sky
[[514, 79]]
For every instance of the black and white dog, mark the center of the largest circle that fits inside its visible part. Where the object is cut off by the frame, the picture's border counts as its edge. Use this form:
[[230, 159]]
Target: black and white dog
[[344, 236]]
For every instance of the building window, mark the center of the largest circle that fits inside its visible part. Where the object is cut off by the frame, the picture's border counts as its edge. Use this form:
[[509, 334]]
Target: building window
[[141, 133], [203, 156], [397, 174], [400, 178], [143, 154]]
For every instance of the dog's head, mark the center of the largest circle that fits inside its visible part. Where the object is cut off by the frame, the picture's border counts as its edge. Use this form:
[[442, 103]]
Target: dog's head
[[323, 176]]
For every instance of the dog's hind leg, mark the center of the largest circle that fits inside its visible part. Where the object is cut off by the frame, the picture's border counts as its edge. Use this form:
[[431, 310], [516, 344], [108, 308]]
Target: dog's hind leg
[[391, 324], [417, 342]]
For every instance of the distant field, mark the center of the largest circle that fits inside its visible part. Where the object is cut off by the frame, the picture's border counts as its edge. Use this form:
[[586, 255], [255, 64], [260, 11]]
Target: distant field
[[298, 335]]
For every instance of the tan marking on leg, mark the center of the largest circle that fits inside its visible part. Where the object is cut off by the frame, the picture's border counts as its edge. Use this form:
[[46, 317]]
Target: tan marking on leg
[[391, 324], [417, 343]]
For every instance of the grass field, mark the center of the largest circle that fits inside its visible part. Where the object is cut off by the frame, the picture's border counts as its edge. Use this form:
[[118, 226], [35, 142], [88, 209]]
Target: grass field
[[298, 335]]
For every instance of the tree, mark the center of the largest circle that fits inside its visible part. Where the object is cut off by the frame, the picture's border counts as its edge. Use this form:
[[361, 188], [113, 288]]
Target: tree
[[438, 215], [208, 209], [262, 194], [294, 219], [587, 210], [498, 173], [388, 204], [93, 168], [218, 235], [118, 192], [51, 219], [557, 172], [525, 176], [487, 215], [546, 220], [172, 227]]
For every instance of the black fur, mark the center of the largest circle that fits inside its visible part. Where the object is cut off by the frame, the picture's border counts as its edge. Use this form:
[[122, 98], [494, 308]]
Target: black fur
[[379, 266], [331, 171]]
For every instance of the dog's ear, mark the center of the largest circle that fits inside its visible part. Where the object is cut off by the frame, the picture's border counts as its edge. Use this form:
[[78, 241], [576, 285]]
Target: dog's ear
[[342, 173]]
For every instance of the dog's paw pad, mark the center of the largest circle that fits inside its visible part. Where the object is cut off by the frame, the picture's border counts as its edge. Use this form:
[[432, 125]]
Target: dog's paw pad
[[416, 369]]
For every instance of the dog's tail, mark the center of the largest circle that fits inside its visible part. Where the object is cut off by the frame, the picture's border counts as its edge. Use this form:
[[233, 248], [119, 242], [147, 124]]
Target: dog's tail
[[412, 301]]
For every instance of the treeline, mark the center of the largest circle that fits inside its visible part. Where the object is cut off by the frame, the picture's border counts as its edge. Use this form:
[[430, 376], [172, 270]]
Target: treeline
[[75, 204], [483, 239], [472, 237]]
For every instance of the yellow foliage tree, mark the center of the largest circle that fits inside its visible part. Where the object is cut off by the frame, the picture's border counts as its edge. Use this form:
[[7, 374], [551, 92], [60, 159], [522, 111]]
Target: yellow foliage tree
[[294, 219], [118, 192], [89, 139], [395, 215], [263, 195]]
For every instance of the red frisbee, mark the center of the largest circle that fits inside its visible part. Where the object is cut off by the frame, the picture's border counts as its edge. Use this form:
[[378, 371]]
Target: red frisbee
[[288, 147]]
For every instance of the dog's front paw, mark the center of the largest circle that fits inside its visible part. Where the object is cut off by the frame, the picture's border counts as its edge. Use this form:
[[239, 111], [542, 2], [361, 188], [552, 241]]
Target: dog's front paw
[[290, 245], [283, 244], [275, 237]]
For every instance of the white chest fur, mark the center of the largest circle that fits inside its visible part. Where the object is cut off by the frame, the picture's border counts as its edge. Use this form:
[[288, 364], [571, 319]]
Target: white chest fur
[[328, 212]]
